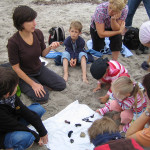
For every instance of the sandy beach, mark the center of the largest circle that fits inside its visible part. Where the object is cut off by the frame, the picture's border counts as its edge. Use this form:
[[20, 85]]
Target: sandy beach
[[62, 15]]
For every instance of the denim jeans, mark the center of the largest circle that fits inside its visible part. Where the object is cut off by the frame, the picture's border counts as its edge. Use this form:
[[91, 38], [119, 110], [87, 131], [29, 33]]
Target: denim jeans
[[133, 5], [20, 140], [67, 56]]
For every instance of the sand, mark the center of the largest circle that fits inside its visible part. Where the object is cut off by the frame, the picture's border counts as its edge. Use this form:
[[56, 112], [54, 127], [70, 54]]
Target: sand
[[62, 15]]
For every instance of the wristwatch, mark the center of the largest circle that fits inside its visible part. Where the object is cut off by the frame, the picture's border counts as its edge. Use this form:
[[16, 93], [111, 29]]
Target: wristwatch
[[147, 113]]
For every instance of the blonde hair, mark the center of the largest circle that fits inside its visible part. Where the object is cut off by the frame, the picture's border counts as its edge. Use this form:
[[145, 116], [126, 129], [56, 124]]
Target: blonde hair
[[102, 126], [118, 5], [77, 25], [125, 85]]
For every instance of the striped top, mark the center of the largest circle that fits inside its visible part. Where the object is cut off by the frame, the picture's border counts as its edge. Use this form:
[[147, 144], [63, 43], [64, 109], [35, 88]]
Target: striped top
[[115, 71], [128, 103]]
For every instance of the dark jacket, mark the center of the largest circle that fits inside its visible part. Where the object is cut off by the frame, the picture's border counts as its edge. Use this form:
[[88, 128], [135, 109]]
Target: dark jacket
[[80, 43], [9, 121]]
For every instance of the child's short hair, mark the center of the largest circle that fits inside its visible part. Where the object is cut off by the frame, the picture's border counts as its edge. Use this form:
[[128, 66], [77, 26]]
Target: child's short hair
[[146, 84], [118, 5], [77, 25], [8, 81], [99, 67], [23, 14], [101, 126]]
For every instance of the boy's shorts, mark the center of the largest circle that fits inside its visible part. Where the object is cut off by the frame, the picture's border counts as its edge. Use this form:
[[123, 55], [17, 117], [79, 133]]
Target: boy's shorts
[[67, 56]]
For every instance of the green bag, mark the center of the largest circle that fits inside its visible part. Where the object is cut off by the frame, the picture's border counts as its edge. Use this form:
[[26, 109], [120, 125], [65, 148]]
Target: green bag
[[18, 93]]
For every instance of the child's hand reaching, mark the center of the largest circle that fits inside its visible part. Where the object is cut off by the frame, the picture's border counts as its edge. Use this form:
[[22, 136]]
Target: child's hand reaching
[[104, 99], [97, 88], [98, 112]]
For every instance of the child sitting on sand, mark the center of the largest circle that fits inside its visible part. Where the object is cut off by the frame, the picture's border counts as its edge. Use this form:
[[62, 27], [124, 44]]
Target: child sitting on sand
[[128, 99], [104, 134], [15, 116], [74, 51], [106, 71]]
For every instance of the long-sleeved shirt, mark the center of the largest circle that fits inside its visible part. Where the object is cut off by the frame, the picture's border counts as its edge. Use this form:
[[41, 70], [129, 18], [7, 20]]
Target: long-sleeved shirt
[[128, 103], [9, 121], [115, 71]]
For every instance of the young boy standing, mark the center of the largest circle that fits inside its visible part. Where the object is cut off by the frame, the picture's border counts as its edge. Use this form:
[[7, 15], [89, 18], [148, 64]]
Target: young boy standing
[[15, 116], [74, 52]]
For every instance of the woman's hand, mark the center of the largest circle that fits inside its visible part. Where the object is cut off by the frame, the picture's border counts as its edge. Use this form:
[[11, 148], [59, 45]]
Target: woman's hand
[[54, 45], [116, 16], [38, 89]]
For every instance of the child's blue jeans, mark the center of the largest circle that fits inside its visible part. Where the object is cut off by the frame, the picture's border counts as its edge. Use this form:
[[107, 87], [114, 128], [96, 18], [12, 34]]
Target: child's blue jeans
[[20, 140], [67, 56]]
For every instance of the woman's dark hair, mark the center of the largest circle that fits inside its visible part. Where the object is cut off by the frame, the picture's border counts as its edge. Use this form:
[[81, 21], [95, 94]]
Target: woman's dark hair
[[146, 84], [23, 14], [8, 81]]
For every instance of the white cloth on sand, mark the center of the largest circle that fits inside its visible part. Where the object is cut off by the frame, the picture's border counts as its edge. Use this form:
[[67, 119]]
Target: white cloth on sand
[[58, 130]]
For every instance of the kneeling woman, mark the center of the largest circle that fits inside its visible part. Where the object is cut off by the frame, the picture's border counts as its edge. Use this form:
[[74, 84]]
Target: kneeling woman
[[24, 49]]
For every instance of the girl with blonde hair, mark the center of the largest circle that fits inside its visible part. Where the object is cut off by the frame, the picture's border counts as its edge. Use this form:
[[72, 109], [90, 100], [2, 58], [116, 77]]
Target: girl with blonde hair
[[128, 99]]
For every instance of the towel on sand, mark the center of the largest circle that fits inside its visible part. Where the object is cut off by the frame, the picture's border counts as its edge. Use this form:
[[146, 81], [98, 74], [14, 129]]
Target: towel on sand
[[58, 130]]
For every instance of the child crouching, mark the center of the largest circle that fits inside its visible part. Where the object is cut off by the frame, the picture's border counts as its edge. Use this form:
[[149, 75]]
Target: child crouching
[[106, 71], [127, 99]]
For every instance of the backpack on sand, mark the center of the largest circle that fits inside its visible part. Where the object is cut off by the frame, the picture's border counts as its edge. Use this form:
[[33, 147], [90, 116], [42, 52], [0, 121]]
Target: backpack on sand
[[56, 34], [131, 38]]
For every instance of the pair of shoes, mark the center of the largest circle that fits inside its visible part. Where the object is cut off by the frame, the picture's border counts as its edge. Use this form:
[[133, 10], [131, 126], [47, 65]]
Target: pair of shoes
[[145, 65]]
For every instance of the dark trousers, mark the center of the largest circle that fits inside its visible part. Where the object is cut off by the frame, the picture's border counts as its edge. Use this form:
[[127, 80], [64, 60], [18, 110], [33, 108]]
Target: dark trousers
[[99, 43], [47, 78]]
